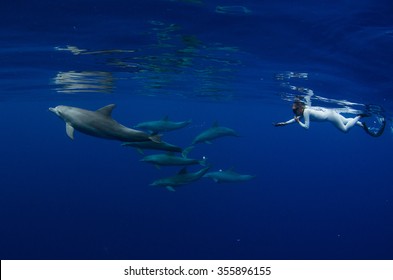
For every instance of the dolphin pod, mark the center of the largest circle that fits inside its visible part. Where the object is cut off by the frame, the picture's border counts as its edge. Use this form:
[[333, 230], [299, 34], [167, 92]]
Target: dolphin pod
[[100, 124]]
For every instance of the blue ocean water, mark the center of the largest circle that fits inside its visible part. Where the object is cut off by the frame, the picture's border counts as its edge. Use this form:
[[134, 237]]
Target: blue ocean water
[[317, 194]]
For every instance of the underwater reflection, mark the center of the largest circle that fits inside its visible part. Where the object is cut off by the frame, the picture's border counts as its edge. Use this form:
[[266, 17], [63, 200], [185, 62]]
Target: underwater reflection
[[232, 10], [84, 81]]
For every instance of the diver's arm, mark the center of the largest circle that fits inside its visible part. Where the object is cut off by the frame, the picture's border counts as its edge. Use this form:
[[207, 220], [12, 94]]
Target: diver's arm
[[306, 115], [284, 123]]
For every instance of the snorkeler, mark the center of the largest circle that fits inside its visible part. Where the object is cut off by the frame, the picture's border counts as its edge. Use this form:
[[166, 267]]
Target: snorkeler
[[320, 114]]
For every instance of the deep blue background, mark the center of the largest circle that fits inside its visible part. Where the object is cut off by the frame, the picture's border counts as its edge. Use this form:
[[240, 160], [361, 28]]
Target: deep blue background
[[318, 194]]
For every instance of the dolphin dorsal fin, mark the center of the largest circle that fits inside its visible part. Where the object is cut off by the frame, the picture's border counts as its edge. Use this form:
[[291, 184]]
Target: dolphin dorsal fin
[[183, 171], [107, 110], [166, 118], [215, 124]]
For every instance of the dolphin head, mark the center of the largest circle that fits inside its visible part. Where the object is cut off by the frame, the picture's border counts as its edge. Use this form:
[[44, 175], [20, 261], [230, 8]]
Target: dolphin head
[[58, 110], [54, 110]]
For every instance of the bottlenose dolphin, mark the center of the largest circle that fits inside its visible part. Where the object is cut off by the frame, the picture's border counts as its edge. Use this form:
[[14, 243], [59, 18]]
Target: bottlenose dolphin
[[181, 178], [227, 176], [99, 124], [150, 145], [162, 125], [214, 132], [170, 159]]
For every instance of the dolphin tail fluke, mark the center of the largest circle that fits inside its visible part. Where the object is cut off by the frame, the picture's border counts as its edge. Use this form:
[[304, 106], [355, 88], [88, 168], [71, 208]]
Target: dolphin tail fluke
[[186, 151], [155, 138]]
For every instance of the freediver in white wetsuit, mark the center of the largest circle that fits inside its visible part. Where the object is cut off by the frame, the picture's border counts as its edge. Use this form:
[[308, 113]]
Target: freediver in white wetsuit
[[320, 114]]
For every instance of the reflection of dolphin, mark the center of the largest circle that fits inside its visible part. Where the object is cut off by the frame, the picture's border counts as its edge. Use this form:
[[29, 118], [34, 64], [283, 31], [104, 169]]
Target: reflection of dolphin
[[99, 124], [181, 178], [227, 176], [162, 125], [150, 145], [214, 132]]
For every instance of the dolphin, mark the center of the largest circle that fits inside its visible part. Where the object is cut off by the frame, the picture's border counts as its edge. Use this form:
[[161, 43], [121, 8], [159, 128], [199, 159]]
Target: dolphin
[[99, 124], [162, 125], [150, 145], [181, 178], [214, 132], [169, 159], [227, 176]]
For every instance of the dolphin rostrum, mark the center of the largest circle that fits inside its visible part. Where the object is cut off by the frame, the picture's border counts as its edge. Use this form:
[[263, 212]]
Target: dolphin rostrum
[[162, 125], [214, 132], [181, 178], [227, 176], [99, 124]]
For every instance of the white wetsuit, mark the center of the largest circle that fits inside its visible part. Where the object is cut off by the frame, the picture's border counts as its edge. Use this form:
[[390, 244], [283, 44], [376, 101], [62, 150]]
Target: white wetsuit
[[320, 114]]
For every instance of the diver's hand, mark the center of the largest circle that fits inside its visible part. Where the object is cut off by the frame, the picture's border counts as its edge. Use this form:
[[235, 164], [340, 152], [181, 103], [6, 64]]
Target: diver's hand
[[279, 124], [297, 118]]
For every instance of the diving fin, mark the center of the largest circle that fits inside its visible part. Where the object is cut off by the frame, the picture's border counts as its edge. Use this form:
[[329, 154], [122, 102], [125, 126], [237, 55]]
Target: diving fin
[[372, 133]]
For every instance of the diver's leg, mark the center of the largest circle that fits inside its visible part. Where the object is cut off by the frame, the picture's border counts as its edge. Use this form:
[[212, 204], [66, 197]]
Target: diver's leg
[[346, 120], [343, 119], [343, 124], [352, 122]]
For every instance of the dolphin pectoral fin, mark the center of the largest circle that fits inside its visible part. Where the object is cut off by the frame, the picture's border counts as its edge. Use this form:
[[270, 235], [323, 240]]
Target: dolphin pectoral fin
[[140, 151], [215, 180], [70, 131], [157, 166], [169, 188]]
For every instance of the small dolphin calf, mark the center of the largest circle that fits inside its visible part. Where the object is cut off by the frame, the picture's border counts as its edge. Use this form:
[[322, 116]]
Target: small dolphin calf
[[99, 124], [227, 176], [181, 178], [162, 125], [150, 145], [214, 132]]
